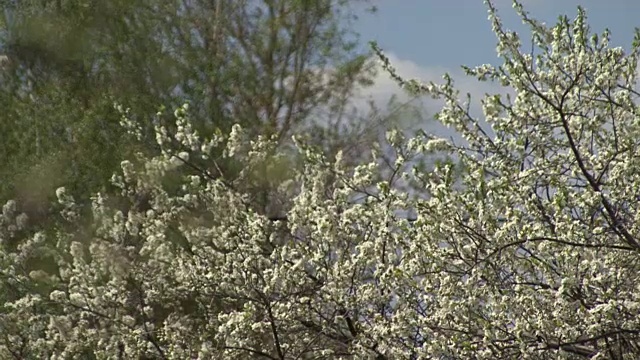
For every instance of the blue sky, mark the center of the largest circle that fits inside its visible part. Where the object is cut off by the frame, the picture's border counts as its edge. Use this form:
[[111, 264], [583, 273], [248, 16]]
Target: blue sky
[[449, 33], [426, 38]]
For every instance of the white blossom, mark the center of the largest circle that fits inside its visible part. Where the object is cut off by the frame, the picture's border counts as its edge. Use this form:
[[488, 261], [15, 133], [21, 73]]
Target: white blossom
[[529, 253]]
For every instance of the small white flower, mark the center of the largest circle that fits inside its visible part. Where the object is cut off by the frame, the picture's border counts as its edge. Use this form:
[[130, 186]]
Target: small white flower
[[57, 295]]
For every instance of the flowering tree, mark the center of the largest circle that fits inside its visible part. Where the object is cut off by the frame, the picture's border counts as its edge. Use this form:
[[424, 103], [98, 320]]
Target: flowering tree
[[534, 256]]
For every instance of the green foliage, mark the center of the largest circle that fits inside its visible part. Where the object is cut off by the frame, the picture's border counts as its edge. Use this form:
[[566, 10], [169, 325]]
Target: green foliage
[[271, 66]]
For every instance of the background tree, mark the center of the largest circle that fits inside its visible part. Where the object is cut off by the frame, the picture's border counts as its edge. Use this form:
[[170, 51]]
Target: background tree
[[277, 67]]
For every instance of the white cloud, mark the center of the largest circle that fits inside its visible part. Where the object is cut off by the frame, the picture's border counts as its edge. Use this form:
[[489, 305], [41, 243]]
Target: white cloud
[[384, 87]]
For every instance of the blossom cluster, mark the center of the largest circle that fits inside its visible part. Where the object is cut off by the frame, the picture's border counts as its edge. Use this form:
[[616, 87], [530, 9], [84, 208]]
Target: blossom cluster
[[535, 256]]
